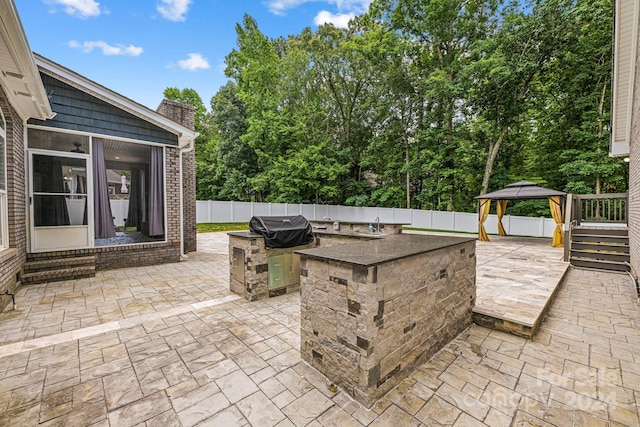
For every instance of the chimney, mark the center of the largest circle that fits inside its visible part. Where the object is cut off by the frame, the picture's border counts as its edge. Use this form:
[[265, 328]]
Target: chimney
[[178, 112], [184, 115]]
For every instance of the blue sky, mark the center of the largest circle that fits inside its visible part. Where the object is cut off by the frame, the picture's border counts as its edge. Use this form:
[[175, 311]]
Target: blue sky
[[140, 47]]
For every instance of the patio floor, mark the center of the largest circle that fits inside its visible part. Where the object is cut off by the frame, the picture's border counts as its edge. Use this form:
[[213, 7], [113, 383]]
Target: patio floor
[[170, 345]]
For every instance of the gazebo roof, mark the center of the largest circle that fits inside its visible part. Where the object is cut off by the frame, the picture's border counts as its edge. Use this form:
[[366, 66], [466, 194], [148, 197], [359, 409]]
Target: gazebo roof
[[521, 190]]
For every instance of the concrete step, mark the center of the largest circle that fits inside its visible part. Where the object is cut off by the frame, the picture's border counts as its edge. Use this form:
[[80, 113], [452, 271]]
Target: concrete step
[[58, 263], [599, 264], [57, 269], [58, 275]]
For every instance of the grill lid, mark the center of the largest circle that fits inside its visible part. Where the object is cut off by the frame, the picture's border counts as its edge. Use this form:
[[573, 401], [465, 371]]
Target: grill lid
[[282, 231]]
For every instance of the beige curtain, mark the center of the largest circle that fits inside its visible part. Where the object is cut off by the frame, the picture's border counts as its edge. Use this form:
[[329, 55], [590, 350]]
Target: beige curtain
[[502, 207], [555, 204], [483, 213]]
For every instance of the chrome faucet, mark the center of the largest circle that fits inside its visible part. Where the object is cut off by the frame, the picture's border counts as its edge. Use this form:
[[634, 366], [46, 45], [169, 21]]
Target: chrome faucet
[[378, 224]]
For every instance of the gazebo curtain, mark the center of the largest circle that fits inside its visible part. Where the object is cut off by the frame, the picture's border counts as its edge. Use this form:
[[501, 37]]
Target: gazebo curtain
[[502, 207], [104, 227], [483, 213], [555, 204]]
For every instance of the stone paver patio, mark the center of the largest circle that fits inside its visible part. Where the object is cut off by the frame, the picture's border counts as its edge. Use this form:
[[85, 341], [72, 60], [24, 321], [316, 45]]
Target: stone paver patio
[[170, 345]]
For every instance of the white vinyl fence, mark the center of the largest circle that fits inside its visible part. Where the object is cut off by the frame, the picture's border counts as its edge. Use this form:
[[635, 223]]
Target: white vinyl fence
[[216, 211]]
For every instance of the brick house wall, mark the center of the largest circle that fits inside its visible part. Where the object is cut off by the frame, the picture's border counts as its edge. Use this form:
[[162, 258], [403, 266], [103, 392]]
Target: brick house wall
[[634, 174], [12, 260], [185, 115]]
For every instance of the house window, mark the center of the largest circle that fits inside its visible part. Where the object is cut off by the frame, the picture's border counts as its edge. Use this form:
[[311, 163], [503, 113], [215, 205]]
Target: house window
[[4, 209]]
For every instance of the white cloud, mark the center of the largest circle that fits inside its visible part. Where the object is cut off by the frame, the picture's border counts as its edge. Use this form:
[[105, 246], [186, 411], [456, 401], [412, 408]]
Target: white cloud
[[338, 20], [279, 7], [194, 62], [174, 10], [345, 7], [106, 49], [80, 8]]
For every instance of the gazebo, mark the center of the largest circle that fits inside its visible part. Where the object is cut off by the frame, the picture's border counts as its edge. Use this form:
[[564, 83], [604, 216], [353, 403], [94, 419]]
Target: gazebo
[[521, 190]]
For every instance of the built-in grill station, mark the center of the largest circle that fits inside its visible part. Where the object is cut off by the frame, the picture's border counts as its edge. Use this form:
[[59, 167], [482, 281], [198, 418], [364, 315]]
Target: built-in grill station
[[262, 260], [394, 300]]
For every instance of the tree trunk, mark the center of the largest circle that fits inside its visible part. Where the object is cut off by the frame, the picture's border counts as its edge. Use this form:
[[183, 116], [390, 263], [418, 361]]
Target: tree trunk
[[600, 128], [408, 177], [493, 154]]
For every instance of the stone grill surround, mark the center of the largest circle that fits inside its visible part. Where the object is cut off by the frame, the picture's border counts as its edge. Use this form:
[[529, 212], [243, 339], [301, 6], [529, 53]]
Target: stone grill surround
[[367, 327], [256, 257]]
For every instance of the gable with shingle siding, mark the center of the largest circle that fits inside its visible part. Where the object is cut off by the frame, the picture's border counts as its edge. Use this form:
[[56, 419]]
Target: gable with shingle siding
[[80, 111]]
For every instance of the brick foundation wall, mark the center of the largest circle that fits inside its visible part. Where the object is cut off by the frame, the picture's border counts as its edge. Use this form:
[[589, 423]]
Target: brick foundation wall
[[13, 259], [120, 256], [634, 175]]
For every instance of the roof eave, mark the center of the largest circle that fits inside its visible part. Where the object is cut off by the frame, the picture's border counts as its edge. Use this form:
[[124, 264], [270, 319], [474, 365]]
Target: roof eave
[[37, 102], [184, 134]]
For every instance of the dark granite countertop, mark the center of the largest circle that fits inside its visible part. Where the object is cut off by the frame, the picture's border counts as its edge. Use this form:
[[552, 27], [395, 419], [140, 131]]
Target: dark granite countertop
[[244, 234], [344, 221], [378, 251], [363, 235], [366, 235]]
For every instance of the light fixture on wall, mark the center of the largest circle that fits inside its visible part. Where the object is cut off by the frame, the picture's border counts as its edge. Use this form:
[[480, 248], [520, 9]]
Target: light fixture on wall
[[77, 149], [627, 159]]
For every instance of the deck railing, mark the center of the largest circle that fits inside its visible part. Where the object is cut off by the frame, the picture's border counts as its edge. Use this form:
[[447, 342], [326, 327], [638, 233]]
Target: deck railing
[[605, 208]]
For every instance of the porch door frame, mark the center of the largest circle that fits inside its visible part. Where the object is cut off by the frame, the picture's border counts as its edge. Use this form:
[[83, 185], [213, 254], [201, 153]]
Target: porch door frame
[[70, 236]]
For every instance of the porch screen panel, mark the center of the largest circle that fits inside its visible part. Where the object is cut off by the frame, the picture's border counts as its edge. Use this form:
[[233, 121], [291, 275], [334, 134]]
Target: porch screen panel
[[59, 191]]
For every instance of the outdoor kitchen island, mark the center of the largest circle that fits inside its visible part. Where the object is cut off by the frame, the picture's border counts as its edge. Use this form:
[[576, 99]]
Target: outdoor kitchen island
[[373, 311]]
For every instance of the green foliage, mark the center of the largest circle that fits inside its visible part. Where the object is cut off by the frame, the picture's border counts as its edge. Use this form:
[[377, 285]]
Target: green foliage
[[420, 103]]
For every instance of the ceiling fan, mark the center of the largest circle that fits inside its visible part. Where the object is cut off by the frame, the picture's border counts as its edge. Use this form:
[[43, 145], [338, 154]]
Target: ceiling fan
[[77, 149]]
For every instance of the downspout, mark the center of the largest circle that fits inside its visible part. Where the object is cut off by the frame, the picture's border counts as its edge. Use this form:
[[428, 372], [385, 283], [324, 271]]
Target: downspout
[[184, 149]]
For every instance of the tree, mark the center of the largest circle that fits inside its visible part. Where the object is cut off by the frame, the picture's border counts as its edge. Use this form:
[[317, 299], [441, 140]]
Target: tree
[[571, 110], [236, 161], [506, 65], [440, 34]]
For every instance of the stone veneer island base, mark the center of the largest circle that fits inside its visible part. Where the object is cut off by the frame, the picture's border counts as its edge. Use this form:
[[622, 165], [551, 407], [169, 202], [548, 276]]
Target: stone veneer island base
[[372, 312]]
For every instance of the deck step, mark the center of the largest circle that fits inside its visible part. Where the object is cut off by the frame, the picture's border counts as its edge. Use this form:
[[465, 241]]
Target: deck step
[[585, 246], [607, 255], [577, 237], [57, 269], [614, 231], [600, 248], [600, 264]]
